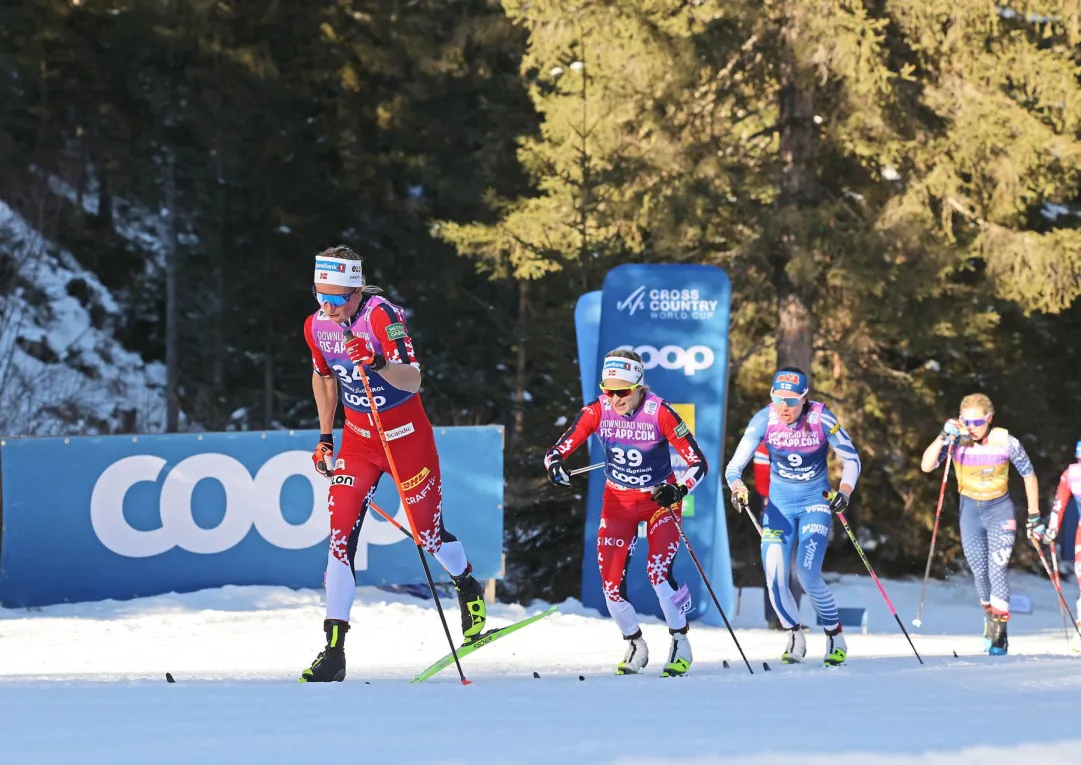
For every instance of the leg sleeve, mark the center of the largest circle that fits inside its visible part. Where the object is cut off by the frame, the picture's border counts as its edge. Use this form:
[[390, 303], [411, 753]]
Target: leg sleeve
[[351, 491], [778, 536], [616, 538], [974, 545], [1000, 525], [813, 538], [663, 537]]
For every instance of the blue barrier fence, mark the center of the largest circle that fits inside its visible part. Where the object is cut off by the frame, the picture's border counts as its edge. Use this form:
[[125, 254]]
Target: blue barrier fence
[[121, 516]]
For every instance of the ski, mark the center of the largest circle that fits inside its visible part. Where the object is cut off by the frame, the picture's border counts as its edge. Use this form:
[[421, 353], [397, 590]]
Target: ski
[[479, 642]]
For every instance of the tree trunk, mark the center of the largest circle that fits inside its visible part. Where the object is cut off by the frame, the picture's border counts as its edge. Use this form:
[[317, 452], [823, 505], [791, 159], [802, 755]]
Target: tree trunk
[[799, 190], [520, 365], [172, 339]]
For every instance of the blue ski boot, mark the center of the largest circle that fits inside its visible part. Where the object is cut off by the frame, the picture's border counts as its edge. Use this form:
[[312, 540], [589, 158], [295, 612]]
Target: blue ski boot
[[999, 643]]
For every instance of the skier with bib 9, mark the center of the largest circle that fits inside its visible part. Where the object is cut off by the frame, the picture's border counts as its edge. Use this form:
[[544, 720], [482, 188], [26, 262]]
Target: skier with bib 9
[[798, 434], [380, 343], [636, 427], [981, 458]]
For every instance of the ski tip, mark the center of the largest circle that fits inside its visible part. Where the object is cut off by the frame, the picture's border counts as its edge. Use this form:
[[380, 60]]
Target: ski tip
[[536, 675], [169, 678], [725, 664], [581, 677], [955, 655], [765, 666]]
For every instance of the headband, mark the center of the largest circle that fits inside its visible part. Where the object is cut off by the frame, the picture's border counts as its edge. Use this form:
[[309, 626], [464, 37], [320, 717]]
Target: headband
[[621, 370], [795, 382], [343, 273]]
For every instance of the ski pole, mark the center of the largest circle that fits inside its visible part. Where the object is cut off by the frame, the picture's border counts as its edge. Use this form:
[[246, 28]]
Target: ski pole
[[918, 621], [840, 514], [1058, 584], [401, 493], [1058, 589], [716, 602], [587, 468]]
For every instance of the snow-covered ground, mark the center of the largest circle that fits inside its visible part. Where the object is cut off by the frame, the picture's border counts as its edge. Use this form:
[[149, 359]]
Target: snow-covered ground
[[88, 681]]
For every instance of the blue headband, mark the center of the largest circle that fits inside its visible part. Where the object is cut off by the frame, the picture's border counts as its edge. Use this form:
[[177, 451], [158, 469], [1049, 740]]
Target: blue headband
[[790, 381]]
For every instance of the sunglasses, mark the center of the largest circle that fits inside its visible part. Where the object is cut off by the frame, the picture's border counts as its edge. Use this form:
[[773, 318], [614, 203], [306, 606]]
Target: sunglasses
[[336, 301], [619, 392], [790, 401], [973, 423]]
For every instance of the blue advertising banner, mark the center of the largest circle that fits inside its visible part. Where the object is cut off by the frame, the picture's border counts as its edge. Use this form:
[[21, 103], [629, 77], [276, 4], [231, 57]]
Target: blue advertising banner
[[676, 317], [587, 329], [122, 517]]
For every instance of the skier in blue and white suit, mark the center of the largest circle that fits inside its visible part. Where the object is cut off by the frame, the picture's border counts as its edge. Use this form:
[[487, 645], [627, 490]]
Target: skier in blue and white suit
[[798, 434]]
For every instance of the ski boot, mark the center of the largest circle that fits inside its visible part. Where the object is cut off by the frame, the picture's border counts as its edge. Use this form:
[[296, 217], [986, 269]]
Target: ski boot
[[471, 602], [796, 647], [987, 637], [836, 648], [999, 642], [637, 656], [329, 665], [679, 655]]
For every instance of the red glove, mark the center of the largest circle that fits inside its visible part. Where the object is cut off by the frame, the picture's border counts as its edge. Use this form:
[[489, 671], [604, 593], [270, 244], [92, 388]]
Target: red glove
[[361, 352], [323, 456]]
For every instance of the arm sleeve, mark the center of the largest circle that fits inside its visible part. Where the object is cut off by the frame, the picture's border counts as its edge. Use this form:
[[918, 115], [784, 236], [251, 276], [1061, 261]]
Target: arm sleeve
[[390, 336], [319, 362], [1062, 498], [584, 425], [752, 437], [679, 435], [843, 447], [1019, 458]]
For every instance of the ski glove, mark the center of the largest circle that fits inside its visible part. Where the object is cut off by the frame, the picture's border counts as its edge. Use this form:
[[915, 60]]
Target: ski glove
[[838, 501], [740, 496], [360, 351], [668, 494], [1036, 528], [557, 472], [951, 430], [323, 456]]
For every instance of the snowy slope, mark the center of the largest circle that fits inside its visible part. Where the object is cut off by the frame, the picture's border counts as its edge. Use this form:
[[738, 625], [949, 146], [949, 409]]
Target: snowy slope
[[61, 369], [88, 680]]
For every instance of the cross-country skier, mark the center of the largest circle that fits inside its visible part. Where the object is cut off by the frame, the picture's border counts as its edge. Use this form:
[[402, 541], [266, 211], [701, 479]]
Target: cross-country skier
[[1069, 486], [761, 499], [981, 458], [382, 344], [798, 434], [636, 427]]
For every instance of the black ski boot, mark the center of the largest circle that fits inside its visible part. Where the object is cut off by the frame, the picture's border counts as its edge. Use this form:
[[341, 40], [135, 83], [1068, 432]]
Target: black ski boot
[[471, 602], [999, 643], [329, 665]]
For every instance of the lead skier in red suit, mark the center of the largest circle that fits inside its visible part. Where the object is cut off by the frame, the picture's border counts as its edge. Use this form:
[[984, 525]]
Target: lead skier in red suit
[[382, 344]]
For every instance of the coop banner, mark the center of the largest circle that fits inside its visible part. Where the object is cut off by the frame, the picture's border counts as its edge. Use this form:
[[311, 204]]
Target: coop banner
[[122, 517], [676, 317]]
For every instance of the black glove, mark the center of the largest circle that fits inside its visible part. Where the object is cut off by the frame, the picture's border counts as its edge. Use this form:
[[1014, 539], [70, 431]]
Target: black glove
[[838, 502], [668, 494], [557, 473]]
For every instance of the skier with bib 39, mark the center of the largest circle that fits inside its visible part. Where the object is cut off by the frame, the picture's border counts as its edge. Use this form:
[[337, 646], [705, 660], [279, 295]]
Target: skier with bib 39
[[798, 434], [382, 344], [636, 427]]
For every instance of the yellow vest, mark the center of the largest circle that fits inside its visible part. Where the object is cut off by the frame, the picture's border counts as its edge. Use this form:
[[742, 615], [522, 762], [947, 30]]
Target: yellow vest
[[983, 470]]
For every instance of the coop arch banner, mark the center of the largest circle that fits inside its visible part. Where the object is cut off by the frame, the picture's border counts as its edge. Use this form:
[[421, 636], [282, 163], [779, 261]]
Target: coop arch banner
[[676, 317], [121, 517]]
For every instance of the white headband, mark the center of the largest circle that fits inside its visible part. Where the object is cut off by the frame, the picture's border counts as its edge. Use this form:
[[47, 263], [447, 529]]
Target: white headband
[[621, 369], [344, 273]]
